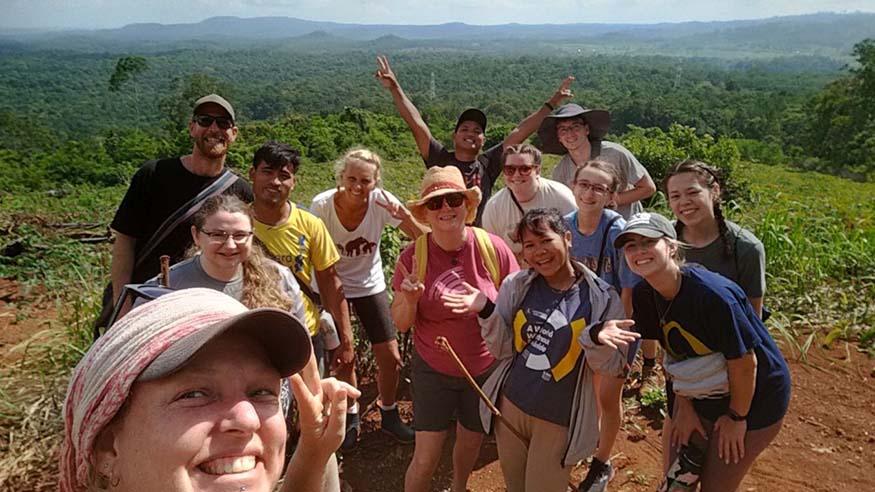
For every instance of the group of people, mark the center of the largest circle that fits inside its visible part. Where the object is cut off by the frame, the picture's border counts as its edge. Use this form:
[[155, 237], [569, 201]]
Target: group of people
[[543, 291]]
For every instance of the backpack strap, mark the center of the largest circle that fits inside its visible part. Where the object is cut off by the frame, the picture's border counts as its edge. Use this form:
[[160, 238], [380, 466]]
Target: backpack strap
[[598, 266], [484, 245], [487, 251]]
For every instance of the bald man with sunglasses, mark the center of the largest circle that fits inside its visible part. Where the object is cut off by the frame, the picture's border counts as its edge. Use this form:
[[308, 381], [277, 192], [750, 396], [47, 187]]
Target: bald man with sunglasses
[[152, 219]]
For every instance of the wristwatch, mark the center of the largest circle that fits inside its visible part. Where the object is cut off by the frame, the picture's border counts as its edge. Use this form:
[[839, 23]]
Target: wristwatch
[[733, 415]]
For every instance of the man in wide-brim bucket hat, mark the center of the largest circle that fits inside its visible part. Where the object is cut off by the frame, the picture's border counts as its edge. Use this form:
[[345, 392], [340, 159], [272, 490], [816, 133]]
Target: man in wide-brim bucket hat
[[444, 181], [576, 133], [597, 120]]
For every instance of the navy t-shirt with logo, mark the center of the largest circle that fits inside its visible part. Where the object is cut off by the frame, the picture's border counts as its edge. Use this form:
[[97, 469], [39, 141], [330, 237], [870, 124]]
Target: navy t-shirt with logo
[[543, 376], [712, 314]]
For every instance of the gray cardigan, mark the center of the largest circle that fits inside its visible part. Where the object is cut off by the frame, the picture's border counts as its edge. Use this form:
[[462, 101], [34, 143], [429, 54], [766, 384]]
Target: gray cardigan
[[497, 331]]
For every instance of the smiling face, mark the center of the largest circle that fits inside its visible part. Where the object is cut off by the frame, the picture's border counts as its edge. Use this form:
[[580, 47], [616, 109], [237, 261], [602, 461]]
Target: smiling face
[[215, 425], [592, 190], [649, 256], [358, 179], [272, 185], [572, 133], [447, 218], [691, 199], [211, 142], [469, 137], [227, 255], [521, 174], [546, 251]]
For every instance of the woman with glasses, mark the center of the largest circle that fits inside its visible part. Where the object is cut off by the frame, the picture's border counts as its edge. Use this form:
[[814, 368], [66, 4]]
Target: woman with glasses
[[594, 226], [355, 213], [727, 383], [224, 258], [525, 190], [694, 195], [540, 329], [449, 259]]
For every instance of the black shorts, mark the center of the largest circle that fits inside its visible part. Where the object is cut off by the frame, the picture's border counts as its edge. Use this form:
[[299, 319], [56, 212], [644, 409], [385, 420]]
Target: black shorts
[[374, 315], [439, 399]]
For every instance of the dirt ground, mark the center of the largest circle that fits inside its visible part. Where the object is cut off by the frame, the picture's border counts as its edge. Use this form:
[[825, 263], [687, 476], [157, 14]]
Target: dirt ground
[[827, 443]]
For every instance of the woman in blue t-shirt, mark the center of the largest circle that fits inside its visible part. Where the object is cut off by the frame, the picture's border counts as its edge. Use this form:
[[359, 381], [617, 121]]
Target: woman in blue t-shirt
[[539, 331], [726, 379], [594, 226]]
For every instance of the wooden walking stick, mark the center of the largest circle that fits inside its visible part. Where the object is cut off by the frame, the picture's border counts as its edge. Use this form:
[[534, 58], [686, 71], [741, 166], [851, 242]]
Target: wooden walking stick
[[165, 271], [444, 344]]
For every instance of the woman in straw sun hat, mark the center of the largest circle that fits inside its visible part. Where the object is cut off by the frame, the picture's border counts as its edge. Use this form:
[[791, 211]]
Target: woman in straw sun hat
[[183, 394], [450, 258]]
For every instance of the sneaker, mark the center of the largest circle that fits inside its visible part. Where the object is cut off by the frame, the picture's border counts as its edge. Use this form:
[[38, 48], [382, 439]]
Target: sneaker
[[649, 380], [597, 477], [392, 425], [353, 424]]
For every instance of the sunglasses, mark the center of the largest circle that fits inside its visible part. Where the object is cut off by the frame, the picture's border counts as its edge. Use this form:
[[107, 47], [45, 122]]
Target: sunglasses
[[206, 121], [453, 200], [522, 170]]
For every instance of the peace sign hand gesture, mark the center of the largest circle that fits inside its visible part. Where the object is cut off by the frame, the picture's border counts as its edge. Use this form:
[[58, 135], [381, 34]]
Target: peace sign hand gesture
[[411, 287], [562, 93], [470, 301], [385, 74], [395, 209]]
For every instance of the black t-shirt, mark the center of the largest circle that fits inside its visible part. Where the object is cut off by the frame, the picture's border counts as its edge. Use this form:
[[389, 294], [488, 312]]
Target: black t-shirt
[[482, 172], [157, 190], [712, 314]]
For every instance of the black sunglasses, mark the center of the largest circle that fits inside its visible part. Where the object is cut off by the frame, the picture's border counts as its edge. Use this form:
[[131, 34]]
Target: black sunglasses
[[206, 121], [453, 200]]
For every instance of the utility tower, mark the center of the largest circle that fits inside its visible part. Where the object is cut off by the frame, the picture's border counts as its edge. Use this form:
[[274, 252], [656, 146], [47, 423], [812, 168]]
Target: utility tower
[[432, 93]]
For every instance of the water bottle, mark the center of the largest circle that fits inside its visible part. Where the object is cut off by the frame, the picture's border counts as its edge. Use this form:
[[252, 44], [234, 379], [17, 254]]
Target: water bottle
[[684, 473], [329, 332]]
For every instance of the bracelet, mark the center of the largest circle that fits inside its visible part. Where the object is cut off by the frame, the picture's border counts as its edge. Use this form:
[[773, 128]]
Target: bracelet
[[549, 106], [734, 416]]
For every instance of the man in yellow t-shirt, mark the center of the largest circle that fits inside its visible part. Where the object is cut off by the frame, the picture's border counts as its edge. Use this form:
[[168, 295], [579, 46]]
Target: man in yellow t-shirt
[[300, 241]]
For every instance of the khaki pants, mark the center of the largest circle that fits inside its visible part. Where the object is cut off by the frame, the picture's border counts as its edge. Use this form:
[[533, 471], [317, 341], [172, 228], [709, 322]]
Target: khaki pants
[[536, 464]]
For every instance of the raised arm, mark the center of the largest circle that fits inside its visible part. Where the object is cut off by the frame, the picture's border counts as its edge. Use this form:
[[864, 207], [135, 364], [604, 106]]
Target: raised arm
[[408, 112], [643, 189], [405, 303], [532, 122]]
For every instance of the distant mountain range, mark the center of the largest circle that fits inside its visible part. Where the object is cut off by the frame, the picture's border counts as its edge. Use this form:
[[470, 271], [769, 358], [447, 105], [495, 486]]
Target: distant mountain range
[[822, 34]]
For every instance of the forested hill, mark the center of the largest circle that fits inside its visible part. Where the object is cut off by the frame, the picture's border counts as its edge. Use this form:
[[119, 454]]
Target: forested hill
[[828, 34]]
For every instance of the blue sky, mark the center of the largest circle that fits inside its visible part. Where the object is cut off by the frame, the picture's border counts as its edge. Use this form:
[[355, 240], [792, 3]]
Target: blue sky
[[30, 14]]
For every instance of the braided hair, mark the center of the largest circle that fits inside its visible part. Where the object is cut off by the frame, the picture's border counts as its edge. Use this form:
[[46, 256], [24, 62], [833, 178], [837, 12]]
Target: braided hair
[[709, 177]]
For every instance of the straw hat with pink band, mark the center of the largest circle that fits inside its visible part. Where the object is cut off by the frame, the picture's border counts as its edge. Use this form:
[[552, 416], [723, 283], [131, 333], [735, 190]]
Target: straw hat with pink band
[[444, 181], [153, 341]]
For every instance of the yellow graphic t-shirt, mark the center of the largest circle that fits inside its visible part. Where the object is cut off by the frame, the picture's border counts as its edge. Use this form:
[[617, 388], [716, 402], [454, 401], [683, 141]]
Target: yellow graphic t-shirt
[[302, 243]]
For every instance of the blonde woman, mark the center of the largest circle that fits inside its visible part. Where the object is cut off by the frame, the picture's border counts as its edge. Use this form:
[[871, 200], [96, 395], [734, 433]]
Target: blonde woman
[[355, 213]]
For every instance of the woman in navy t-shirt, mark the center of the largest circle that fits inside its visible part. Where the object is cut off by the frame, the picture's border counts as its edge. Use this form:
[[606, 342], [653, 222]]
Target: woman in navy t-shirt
[[726, 378]]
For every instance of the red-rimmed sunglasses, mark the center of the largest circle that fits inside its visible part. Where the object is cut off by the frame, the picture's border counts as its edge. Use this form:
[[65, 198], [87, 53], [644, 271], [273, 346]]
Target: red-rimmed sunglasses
[[453, 200], [522, 170]]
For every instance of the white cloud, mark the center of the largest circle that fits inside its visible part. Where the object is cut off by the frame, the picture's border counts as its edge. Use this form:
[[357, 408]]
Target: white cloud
[[115, 13]]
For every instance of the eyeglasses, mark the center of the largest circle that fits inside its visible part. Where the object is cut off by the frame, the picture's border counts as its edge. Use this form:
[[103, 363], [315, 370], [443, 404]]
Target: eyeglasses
[[522, 170], [595, 188], [206, 121], [221, 237], [453, 200], [570, 128]]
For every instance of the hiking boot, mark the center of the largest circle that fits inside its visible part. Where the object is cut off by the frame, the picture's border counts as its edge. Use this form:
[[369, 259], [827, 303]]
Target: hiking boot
[[649, 380], [392, 425], [353, 425], [597, 477]]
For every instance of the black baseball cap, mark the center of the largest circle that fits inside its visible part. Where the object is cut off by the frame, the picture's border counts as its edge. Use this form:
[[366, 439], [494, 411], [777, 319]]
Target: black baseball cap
[[472, 114]]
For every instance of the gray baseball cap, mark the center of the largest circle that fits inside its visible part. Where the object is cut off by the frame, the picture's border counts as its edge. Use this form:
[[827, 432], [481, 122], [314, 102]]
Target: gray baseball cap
[[647, 224], [215, 99]]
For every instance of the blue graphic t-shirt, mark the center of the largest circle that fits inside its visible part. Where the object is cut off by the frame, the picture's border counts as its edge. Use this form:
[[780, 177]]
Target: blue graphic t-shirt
[[712, 314], [585, 249], [543, 376]]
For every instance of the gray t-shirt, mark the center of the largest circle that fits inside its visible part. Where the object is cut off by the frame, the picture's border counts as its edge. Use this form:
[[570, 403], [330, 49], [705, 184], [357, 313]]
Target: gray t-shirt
[[631, 171], [746, 267]]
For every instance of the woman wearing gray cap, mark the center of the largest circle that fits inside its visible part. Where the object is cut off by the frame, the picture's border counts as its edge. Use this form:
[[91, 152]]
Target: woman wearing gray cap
[[183, 394], [727, 383], [577, 134]]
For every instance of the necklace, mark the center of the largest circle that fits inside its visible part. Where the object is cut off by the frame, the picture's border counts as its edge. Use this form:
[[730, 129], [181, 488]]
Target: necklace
[[664, 314]]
